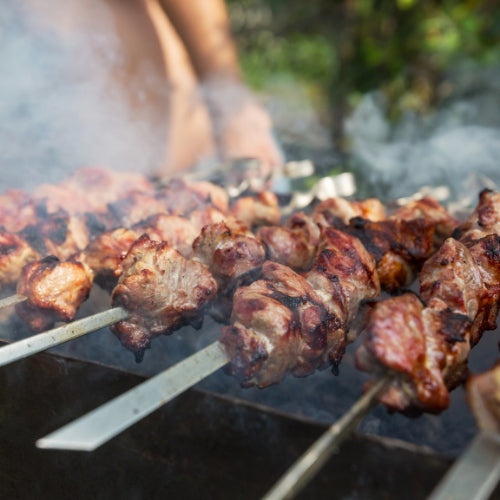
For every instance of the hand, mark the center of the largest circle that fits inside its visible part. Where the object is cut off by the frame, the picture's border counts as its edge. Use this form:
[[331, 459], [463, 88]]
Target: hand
[[242, 127]]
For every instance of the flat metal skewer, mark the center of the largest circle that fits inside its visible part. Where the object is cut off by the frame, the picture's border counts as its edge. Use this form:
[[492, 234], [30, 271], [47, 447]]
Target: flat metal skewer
[[11, 300], [475, 474], [45, 340], [318, 453], [100, 425]]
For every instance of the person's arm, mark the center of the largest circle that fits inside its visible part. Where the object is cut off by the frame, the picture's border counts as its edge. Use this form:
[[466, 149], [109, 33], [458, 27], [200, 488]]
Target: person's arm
[[204, 27], [242, 127]]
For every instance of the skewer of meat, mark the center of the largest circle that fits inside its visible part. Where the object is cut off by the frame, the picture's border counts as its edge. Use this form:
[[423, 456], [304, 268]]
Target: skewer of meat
[[283, 322], [426, 341], [424, 346]]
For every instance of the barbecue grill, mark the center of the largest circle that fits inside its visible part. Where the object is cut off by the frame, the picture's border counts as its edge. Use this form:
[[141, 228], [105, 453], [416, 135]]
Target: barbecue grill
[[251, 436]]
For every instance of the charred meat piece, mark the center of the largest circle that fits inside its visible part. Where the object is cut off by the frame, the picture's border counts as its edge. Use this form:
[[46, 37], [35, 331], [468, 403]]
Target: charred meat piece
[[460, 286], [339, 211], [136, 207], [60, 233], [178, 232], [230, 250], [161, 290], [262, 209], [294, 244], [90, 189], [104, 255], [484, 220], [279, 325], [399, 247], [17, 210], [181, 197], [15, 253], [432, 211], [54, 291], [425, 348], [286, 322], [344, 262]]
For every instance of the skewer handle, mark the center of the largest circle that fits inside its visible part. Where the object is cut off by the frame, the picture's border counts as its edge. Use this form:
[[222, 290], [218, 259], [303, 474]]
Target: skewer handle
[[95, 428], [312, 460]]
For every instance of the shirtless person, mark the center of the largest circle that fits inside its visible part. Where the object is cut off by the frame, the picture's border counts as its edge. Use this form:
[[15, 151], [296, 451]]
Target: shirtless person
[[153, 85]]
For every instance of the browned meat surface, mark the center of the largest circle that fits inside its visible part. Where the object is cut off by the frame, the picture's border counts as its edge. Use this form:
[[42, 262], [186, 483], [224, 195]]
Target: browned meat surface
[[17, 210], [279, 325], [60, 234], [135, 208], [293, 244], [344, 262], [398, 246], [335, 211], [483, 396], [261, 209], [54, 291], [230, 250], [285, 322], [15, 253], [178, 232], [104, 255], [161, 290], [484, 220], [424, 348], [452, 277], [460, 287], [90, 189], [432, 211], [181, 197]]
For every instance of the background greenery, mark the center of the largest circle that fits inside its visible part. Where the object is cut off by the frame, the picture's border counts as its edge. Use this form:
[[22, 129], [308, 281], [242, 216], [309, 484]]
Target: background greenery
[[339, 50]]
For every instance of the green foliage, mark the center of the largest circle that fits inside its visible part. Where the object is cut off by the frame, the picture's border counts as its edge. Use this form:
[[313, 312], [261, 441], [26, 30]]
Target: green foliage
[[345, 48]]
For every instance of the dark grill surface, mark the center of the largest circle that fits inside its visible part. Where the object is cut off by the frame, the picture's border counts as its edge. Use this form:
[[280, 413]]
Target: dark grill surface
[[199, 446]]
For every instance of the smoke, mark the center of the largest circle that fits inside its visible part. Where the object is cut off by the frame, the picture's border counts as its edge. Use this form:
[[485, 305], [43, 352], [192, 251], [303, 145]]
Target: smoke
[[60, 108], [458, 146]]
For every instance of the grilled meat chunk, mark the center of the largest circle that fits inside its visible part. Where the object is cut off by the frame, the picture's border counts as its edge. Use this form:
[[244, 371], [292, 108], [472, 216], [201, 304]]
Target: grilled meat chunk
[[484, 220], [15, 253], [342, 259], [104, 255], [17, 210], [54, 291], [90, 189], [398, 246], [230, 250], [136, 207], [178, 232], [285, 322], [59, 233], [181, 197], [293, 244], [261, 209], [161, 290], [339, 211], [425, 348], [279, 325], [459, 284]]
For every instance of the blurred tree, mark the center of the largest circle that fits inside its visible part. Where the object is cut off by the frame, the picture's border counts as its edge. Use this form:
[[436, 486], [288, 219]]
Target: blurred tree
[[342, 49]]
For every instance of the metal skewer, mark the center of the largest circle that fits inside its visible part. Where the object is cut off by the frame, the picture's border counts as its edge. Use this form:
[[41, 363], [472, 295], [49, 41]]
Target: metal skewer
[[318, 453], [475, 474], [95, 428], [42, 341], [11, 300]]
